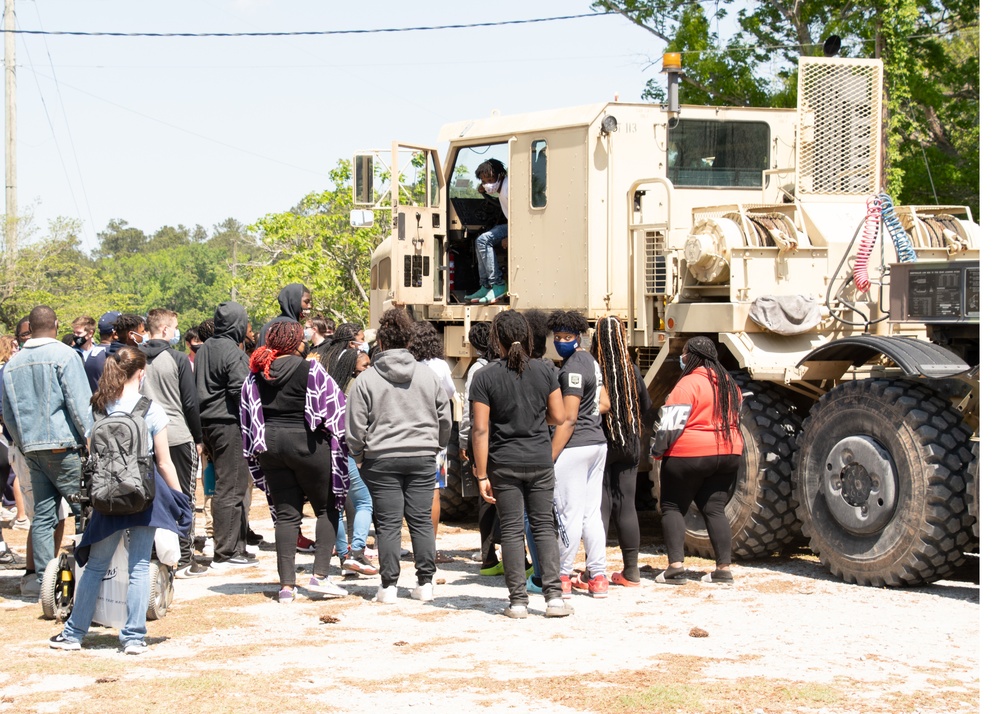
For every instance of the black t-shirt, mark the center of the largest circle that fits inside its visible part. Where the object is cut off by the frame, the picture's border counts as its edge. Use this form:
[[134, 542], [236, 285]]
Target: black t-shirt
[[518, 404], [580, 376]]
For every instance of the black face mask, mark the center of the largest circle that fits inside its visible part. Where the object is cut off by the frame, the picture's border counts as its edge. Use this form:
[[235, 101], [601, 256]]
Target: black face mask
[[196, 346], [79, 340]]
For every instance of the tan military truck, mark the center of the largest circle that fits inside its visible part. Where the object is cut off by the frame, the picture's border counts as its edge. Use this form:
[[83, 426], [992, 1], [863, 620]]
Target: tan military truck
[[852, 324]]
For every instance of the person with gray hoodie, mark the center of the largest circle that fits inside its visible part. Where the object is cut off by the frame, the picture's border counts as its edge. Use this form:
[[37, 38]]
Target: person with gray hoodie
[[398, 419], [219, 372]]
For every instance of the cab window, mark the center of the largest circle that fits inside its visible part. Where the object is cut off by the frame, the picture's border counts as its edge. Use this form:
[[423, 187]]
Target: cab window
[[719, 154], [539, 172]]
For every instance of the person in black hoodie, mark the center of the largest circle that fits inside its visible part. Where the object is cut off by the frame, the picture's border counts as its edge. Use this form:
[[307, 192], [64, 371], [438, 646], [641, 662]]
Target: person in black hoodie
[[170, 383], [295, 302], [109, 343], [219, 371]]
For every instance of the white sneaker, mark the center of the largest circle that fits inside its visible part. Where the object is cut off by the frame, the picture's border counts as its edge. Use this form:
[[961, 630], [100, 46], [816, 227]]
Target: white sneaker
[[423, 593], [327, 587], [208, 550], [386, 595]]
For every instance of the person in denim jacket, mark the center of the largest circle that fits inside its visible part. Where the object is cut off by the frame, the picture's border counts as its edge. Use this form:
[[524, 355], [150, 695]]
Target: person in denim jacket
[[46, 409]]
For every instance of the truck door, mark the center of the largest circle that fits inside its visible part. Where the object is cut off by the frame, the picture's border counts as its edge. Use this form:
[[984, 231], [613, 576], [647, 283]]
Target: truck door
[[419, 262]]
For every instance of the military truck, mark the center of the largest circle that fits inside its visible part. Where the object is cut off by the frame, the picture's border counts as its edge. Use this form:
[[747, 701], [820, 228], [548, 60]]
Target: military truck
[[852, 324]]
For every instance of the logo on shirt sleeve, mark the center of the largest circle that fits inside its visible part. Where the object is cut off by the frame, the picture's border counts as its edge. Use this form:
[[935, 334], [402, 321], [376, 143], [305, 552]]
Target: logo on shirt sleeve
[[575, 380]]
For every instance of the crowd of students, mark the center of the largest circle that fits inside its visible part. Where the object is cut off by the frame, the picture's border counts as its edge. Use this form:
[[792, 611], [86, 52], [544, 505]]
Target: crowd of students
[[308, 411]]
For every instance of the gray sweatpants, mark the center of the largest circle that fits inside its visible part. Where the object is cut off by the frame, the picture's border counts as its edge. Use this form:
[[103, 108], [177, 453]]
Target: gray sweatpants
[[577, 501]]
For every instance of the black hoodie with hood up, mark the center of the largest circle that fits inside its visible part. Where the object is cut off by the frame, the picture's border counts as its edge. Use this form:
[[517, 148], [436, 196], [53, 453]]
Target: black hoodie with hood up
[[290, 302], [222, 365]]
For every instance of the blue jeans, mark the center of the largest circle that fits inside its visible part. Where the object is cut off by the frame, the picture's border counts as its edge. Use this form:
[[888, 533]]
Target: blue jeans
[[140, 546], [362, 501], [489, 273], [54, 475]]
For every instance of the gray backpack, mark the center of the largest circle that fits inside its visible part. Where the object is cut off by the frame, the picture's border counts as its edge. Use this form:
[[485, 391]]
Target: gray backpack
[[119, 474]]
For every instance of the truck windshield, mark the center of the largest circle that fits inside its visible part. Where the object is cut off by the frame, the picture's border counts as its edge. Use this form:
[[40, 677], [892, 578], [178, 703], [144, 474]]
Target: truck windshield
[[721, 154]]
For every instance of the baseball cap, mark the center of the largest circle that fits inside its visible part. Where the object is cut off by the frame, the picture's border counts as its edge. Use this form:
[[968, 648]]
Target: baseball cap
[[106, 325]]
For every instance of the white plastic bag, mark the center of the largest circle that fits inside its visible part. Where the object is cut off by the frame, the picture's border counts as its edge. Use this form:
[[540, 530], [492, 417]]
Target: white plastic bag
[[112, 606], [168, 547]]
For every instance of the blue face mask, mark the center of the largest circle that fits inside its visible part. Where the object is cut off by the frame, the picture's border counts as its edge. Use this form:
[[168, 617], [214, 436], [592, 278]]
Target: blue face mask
[[565, 349], [681, 360], [140, 339], [176, 338]]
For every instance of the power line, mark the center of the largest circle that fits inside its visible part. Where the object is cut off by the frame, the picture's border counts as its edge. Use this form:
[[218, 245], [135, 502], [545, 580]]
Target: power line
[[312, 33]]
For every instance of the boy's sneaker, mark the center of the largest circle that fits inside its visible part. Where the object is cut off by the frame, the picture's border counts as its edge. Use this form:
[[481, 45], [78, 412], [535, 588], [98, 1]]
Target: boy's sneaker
[[567, 586], [254, 538], [387, 595], [718, 577], [237, 561], [135, 648], [305, 545], [9, 560], [327, 587], [208, 550], [598, 586], [477, 296], [287, 597], [358, 562], [423, 593], [21, 524], [194, 570], [30, 585], [61, 643], [558, 607], [516, 612]]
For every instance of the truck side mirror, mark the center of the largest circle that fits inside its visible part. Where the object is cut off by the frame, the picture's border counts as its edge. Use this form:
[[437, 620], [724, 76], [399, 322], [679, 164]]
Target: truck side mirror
[[364, 180], [362, 219]]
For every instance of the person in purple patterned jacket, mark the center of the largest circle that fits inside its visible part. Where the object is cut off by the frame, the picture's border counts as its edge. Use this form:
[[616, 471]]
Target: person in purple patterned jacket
[[292, 420]]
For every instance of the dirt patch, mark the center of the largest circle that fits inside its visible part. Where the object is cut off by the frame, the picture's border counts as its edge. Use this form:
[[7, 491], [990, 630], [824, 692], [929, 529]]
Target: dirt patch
[[785, 637]]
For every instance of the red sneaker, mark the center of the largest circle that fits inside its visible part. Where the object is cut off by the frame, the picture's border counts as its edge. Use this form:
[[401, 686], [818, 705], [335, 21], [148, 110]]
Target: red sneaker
[[567, 587], [579, 582], [305, 545], [598, 586]]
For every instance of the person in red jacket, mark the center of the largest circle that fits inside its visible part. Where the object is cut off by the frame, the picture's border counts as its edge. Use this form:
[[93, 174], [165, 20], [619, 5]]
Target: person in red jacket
[[701, 463]]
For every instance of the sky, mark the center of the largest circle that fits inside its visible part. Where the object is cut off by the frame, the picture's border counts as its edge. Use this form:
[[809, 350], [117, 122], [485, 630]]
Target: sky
[[167, 131]]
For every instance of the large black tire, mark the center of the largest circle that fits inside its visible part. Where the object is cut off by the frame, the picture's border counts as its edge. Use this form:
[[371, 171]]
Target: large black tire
[[454, 507], [760, 509], [972, 489], [161, 590], [56, 596], [880, 483]]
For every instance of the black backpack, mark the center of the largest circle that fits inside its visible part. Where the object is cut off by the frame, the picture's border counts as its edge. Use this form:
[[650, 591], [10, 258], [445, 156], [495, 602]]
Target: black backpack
[[119, 474]]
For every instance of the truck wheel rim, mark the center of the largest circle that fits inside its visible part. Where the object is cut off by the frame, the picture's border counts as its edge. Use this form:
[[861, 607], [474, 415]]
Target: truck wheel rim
[[859, 484]]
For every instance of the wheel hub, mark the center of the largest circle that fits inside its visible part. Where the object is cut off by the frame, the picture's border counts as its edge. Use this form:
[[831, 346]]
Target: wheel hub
[[860, 484]]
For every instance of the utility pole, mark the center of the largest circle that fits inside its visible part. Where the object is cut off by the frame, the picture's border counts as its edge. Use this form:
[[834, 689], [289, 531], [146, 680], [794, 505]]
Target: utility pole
[[10, 103]]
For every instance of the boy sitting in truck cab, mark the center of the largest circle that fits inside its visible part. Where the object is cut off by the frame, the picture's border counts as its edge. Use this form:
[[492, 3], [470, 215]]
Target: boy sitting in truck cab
[[492, 177]]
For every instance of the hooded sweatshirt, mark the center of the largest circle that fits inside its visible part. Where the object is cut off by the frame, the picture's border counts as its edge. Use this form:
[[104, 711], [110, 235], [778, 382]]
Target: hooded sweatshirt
[[290, 302], [170, 383], [222, 365], [397, 409]]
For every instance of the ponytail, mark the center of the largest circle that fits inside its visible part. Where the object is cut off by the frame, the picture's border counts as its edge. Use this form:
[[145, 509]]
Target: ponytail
[[118, 369], [283, 338], [511, 333]]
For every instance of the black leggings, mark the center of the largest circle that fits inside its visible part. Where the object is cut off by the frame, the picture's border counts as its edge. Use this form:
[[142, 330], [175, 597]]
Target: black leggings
[[706, 480], [618, 502], [296, 466]]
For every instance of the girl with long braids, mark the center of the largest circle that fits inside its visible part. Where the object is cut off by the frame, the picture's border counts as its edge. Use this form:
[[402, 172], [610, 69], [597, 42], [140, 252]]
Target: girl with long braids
[[622, 426], [292, 419], [514, 399], [702, 464], [118, 392]]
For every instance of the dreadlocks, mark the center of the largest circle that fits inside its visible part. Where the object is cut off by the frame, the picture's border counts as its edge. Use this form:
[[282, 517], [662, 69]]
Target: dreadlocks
[[511, 332], [283, 338], [701, 352], [622, 422]]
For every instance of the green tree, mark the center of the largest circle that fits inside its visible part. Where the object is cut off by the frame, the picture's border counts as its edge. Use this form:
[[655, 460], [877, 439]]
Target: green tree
[[119, 238], [929, 48], [314, 244]]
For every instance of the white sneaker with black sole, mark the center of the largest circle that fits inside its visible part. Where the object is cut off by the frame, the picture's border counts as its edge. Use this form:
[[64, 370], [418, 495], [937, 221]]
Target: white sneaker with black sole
[[237, 561], [61, 643], [194, 570]]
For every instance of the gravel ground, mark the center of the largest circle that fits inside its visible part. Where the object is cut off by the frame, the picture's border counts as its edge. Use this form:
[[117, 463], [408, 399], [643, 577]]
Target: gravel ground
[[785, 637]]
